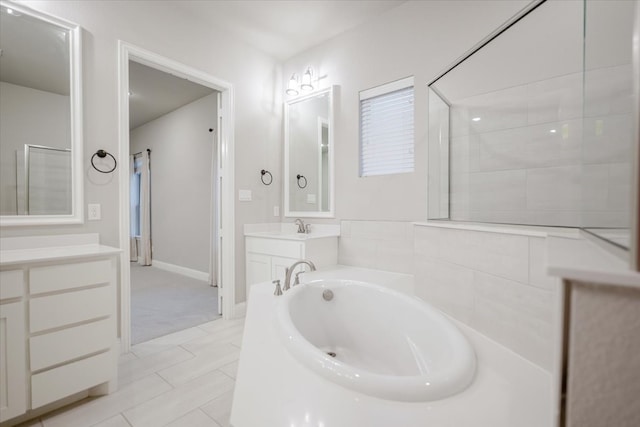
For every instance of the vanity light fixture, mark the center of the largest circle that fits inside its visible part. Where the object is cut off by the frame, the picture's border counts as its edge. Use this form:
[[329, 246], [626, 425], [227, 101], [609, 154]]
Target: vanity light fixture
[[552, 131], [292, 87], [476, 119], [307, 85]]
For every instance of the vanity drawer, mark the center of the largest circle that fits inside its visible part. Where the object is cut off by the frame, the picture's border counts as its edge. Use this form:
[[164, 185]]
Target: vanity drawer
[[49, 386], [68, 276], [282, 248], [11, 284], [72, 307], [68, 344]]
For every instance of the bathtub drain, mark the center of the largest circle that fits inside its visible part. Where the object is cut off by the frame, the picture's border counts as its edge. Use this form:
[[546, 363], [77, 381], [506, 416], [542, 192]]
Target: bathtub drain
[[331, 353]]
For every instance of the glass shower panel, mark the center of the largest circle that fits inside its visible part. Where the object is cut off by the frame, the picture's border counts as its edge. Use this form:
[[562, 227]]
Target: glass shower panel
[[608, 119], [438, 157], [515, 124]]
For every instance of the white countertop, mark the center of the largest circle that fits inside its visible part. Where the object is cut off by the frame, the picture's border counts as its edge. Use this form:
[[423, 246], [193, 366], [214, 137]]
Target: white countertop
[[288, 231], [274, 389], [20, 250]]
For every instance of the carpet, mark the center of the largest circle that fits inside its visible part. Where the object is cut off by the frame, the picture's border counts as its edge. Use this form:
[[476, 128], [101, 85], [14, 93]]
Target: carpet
[[163, 302]]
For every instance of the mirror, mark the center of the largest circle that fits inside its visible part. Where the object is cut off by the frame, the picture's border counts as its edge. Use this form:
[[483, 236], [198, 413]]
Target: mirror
[[308, 155], [40, 112]]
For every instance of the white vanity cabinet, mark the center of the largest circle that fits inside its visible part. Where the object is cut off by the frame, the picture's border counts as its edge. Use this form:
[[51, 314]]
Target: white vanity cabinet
[[13, 401], [58, 329], [268, 254]]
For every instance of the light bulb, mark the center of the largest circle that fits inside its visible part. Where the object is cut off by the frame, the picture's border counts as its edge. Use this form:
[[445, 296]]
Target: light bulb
[[292, 87], [306, 85]]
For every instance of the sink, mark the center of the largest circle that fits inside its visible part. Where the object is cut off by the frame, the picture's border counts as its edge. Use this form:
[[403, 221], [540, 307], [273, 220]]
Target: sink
[[374, 340]]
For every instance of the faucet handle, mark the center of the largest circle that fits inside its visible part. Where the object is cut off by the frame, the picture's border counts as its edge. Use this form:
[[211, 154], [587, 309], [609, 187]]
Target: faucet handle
[[278, 290], [297, 281], [307, 228]]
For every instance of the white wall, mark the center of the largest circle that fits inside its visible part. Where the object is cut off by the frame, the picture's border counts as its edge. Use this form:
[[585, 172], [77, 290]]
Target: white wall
[[417, 38], [27, 116], [182, 150], [163, 28]]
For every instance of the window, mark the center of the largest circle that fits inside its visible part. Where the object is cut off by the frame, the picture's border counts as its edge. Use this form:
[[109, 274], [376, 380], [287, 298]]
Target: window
[[135, 196], [386, 129]]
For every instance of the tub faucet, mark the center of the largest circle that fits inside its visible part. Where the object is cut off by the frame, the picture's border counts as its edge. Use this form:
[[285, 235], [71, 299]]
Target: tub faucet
[[300, 224], [289, 272]]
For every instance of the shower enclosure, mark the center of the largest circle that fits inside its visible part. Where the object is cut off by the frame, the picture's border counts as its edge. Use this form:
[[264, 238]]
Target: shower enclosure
[[535, 125]]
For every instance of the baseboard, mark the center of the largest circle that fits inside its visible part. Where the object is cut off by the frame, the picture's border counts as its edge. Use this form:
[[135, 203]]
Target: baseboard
[[189, 272]]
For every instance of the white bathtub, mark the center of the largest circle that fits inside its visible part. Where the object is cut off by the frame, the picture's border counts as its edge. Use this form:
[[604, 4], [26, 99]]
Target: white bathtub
[[274, 388], [375, 341]]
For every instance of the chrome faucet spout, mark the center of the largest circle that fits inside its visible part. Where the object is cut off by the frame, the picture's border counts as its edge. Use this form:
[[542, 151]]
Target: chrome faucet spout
[[289, 272], [300, 224]]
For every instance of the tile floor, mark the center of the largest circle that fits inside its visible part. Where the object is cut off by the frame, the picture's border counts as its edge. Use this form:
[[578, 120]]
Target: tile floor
[[184, 379]]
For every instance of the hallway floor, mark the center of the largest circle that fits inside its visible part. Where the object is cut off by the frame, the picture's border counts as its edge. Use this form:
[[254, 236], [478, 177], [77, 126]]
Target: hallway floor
[[163, 302], [185, 379]]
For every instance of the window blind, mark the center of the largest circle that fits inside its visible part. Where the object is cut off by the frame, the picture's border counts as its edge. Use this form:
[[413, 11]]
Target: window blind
[[386, 129]]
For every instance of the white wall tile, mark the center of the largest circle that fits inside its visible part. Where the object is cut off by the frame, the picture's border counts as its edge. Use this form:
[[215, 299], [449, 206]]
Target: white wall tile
[[558, 98], [356, 252], [501, 190], [504, 255], [538, 265], [557, 188], [515, 314], [447, 286]]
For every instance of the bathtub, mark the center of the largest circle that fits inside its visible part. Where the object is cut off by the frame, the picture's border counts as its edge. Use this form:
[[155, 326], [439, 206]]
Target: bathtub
[[375, 340], [276, 388]]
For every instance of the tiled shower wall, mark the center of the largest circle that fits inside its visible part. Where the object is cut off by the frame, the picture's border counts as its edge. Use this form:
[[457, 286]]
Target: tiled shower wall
[[494, 282]]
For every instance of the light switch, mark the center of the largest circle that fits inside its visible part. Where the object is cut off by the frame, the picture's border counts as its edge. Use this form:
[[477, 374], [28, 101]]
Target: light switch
[[276, 211], [93, 212], [244, 195], [311, 198]]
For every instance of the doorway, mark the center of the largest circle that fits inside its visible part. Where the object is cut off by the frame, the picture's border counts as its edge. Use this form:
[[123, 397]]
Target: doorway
[[219, 135]]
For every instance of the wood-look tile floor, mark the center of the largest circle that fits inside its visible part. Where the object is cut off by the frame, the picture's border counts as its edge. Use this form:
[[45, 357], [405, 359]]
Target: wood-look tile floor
[[184, 379]]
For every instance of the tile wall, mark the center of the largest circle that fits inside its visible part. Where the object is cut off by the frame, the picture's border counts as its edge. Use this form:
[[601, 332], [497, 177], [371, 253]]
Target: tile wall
[[494, 282]]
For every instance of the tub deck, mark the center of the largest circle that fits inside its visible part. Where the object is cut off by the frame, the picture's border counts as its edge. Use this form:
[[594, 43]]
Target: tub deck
[[274, 389]]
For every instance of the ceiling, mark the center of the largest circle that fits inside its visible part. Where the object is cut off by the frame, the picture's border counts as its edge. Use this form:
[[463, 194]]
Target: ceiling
[[284, 28], [154, 93], [281, 28]]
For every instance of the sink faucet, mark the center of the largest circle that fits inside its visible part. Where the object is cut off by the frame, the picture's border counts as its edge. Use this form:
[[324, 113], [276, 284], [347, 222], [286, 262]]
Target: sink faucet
[[300, 224], [289, 272]]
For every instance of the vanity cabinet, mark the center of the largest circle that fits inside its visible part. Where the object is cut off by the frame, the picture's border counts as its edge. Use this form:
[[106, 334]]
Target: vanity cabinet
[[58, 334], [267, 257], [13, 401]]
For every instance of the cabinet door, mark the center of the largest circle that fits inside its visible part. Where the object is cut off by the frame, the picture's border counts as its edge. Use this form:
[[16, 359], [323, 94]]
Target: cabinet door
[[12, 361], [258, 269]]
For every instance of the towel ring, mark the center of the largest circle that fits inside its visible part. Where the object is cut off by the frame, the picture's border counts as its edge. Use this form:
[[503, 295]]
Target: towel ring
[[102, 154], [264, 172], [300, 178]]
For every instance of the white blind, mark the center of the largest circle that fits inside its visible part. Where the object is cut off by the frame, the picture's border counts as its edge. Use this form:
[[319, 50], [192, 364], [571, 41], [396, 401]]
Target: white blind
[[386, 129]]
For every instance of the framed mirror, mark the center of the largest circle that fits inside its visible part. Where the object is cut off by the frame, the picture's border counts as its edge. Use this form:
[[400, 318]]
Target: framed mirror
[[41, 115], [308, 155]]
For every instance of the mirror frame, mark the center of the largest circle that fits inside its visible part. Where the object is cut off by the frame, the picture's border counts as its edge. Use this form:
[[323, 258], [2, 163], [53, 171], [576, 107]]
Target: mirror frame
[[75, 100], [331, 119]]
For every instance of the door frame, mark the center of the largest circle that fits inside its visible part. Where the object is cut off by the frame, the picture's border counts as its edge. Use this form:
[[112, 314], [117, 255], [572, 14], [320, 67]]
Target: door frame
[[127, 52]]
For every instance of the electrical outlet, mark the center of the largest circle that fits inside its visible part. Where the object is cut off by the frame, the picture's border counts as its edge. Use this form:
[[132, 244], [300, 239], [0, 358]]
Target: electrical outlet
[[93, 212]]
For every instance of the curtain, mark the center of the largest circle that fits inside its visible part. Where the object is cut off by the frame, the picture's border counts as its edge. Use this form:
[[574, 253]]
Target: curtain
[[144, 252], [133, 214]]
